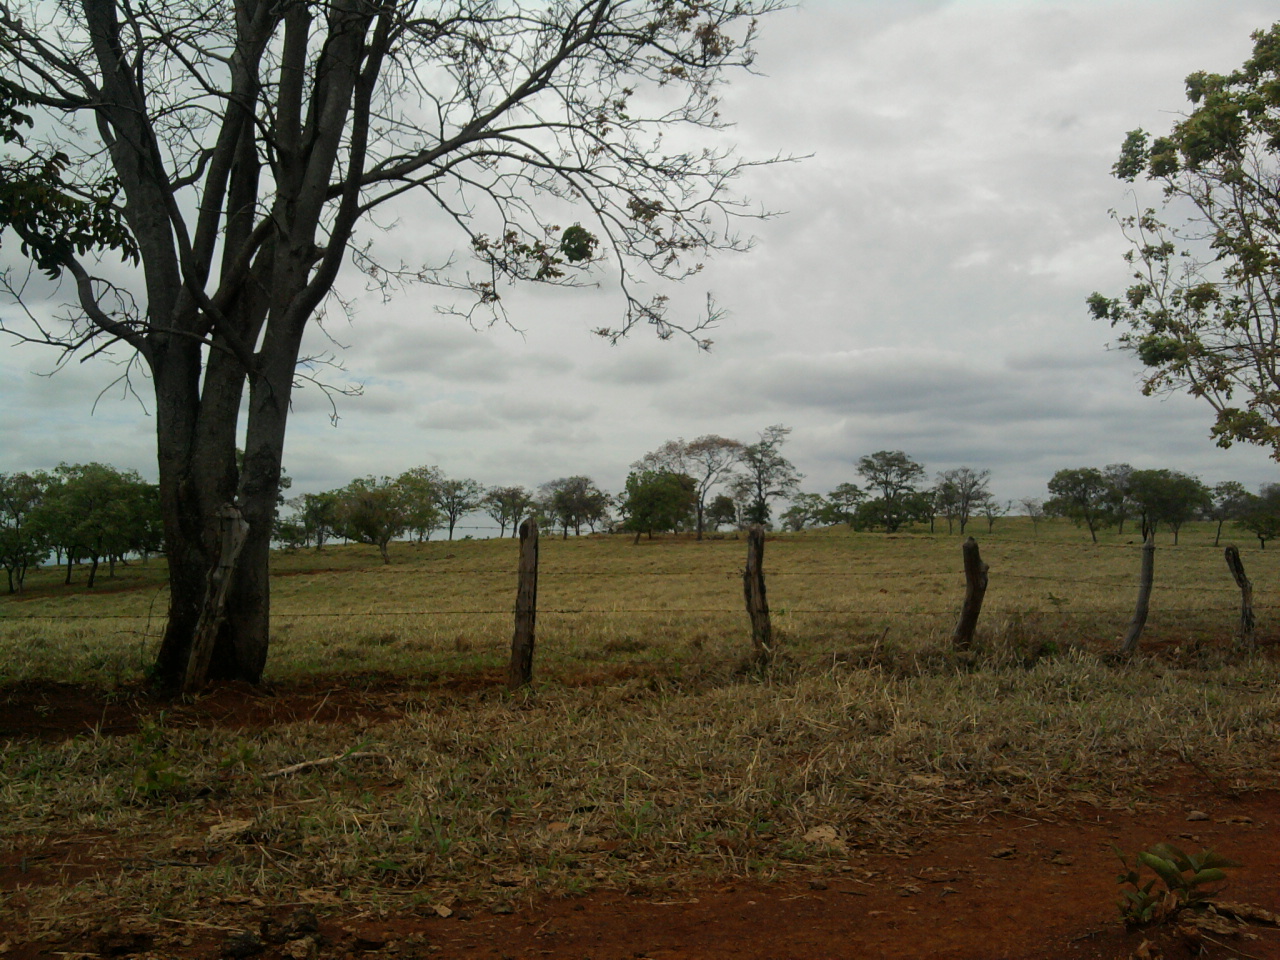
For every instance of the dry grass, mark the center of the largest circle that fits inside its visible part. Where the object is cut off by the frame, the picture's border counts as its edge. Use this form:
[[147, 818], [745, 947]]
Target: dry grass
[[868, 725], [446, 606]]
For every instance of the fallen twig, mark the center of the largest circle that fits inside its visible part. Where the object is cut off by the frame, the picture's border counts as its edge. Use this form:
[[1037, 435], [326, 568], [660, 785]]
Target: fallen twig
[[324, 762]]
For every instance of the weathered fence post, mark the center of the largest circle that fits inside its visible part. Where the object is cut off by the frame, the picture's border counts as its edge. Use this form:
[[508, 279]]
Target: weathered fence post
[[234, 530], [753, 590], [520, 671], [975, 588], [1247, 638], [1130, 645]]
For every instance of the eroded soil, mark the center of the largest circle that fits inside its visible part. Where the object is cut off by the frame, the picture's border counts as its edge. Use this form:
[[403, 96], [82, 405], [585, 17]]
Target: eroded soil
[[1003, 887]]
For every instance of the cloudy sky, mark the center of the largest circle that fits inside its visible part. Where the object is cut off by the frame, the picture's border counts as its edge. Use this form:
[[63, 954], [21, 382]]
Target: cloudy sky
[[924, 291]]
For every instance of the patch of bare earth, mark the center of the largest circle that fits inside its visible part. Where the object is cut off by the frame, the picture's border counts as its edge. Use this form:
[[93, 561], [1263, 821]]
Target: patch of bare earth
[[999, 887]]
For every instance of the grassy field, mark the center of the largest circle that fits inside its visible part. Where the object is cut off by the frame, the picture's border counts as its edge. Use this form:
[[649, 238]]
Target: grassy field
[[674, 602], [645, 753]]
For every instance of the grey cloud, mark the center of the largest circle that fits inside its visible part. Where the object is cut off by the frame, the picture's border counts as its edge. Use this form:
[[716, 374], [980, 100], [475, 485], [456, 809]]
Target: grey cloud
[[525, 409]]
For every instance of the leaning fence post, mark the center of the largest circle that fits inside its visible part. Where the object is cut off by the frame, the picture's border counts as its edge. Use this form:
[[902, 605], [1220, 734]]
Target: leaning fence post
[[975, 588], [1247, 638], [753, 590], [1130, 645], [520, 671]]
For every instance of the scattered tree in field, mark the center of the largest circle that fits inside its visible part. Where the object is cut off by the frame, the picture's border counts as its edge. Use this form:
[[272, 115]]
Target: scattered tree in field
[[236, 150], [574, 502], [656, 501], [371, 511], [842, 504], [1227, 501], [457, 498], [896, 477], [961, 493], [1033, 508], [1120, 501], [721, 510], [1080, 495], [1168, 497], [911, 506], [318, 514], [993, 509], [421, 487], [709, 460], [22, 545], [765, 474], [806, 509], [507, 506], [1201, 314], [1261, 514], [95, 512]]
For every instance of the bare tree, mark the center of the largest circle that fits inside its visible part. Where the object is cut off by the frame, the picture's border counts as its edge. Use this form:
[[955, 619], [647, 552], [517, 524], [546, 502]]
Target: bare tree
[[1033, 507], [246, 143], [960, 493]]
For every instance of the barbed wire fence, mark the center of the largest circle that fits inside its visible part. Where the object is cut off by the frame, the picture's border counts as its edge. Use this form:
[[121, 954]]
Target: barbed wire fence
[[1217, 596]]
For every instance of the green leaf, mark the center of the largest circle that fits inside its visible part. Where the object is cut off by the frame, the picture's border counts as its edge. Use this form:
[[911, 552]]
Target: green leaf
[[1165, 870], [1209, 875], [1210, 859]]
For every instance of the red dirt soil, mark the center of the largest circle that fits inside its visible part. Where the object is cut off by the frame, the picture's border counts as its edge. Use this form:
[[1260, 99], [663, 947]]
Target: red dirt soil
[[1006, 887]]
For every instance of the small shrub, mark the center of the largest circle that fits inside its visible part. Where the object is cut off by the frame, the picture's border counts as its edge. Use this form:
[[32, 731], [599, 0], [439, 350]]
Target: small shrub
[[1185, 879]]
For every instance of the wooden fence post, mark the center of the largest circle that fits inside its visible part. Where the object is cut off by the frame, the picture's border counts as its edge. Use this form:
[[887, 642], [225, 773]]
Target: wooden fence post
[[975, 589], [520, 671], [234, 530], [1247, 638], [753, 590], [1130, 645]]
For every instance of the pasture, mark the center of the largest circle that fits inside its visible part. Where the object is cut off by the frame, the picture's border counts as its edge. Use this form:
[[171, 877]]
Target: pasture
[[647, 760]]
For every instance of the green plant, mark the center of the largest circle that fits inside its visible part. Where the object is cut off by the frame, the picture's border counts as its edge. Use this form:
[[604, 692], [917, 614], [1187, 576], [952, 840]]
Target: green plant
[[1185, 879]]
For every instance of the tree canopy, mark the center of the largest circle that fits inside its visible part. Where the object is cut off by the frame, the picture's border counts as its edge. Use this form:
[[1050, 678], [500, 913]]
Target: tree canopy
[[1201, 313]]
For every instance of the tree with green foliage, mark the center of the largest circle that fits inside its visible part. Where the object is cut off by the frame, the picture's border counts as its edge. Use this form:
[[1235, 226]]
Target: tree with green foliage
[[709, 459], [896, 477], [95, 512], [842, 504], [765, 474], [655, 501], [244, 151], [22, 544], [1261, 514], [507, 506], [891, 515], [805, 510], [573, 502], [57, 214], [1201, 313], [421, 488], [721, 510], [371, 510], [1081, 495], [1166, 496], [1227, 501], [457, 498]]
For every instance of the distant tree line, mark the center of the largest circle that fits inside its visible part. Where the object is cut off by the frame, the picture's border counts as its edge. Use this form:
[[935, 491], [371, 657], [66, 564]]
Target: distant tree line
[[76, 513], [90, 513]]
